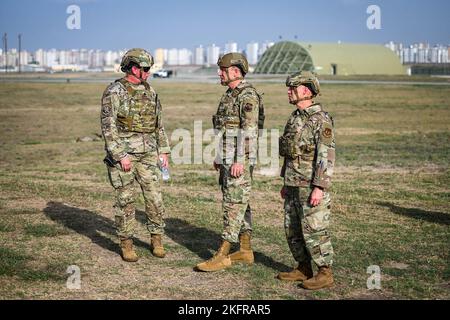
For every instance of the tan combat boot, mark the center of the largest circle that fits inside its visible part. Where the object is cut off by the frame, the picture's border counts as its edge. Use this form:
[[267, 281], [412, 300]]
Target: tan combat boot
[[219, 261], [245, 253], [301, 273], [323, 279], [157, 247], [128, 253]]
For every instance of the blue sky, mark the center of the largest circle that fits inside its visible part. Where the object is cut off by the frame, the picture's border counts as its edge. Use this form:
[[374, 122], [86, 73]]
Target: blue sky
[[151, 24]]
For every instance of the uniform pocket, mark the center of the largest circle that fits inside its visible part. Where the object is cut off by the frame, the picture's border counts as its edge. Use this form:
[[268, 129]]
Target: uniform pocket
[[326, 248], [237, 190], [114, 177], [318, 218]]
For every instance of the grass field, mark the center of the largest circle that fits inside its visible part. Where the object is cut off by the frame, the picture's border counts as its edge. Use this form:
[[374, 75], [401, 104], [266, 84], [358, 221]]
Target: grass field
[[391, 199]]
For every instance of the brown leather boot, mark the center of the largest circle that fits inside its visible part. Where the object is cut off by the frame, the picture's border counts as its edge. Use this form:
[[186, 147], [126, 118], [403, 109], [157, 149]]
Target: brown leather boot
[[157, 247], [128, 253], [245, 253], [323, 279], [301, 273], [219, 261]]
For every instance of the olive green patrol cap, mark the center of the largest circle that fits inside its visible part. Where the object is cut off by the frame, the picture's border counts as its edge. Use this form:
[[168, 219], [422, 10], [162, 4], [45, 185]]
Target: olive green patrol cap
[[304, 78], [137, 55], [233, 59]]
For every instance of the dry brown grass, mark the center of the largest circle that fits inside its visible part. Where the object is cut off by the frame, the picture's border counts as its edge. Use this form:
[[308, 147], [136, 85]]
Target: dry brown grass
[[391, 199]]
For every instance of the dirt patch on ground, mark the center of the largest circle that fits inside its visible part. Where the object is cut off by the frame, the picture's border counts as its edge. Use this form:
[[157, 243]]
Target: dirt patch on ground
[[396, 265], [370, 295], [18, 201], [428, 168]]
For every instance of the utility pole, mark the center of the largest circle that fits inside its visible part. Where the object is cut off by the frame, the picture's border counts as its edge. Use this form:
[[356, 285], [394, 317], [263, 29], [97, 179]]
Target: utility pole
[[20, 50], [5, 45]]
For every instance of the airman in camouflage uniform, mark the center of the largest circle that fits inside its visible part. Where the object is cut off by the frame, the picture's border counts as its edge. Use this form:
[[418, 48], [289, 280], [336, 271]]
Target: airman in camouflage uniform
[[135, 140], [237, 119], [308, 148]]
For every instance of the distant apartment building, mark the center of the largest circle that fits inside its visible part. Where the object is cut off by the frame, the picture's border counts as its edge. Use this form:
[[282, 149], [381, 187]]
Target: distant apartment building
[[184, 57], [231, 47], [95, 59], [74, 57], [252, 53], [212, 54], [160, 55], [41, 57], [64, 57], [52, 58], [420, 53], [179, 57], [13, 57], [24, 58], [111, 58], [199, 56], [172, 57]]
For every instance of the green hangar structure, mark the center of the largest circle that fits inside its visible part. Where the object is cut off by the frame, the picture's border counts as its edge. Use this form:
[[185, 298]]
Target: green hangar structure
[[287, 57]]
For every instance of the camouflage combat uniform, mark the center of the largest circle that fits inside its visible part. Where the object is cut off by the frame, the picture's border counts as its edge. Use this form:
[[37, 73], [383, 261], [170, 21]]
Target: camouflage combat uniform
[[308, 146], [237, 121], [132, 125]]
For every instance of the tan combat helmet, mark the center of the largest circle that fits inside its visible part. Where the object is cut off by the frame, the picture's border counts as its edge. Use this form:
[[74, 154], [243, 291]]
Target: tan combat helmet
[[137, 55], [234, 59], [304, 78]]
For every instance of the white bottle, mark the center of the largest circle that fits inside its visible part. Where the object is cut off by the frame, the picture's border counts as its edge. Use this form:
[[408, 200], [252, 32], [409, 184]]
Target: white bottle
[[164, 170]]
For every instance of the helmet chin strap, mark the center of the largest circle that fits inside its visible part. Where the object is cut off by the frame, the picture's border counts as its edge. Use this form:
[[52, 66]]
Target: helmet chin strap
[[140, 75], [225, 83], [298, 99]]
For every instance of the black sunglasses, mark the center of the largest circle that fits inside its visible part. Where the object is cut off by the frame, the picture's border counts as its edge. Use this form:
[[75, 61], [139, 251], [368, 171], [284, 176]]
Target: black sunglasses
[[146, 69]]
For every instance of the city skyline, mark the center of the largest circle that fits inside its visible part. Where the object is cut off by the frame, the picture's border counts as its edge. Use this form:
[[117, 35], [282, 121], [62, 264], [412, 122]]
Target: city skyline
[[222, 46], [84, 59], [106, 25], [97, 59]]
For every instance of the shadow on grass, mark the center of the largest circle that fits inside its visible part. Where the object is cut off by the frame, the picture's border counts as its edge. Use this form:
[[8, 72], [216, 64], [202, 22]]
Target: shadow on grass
[[87, 223], [203, 242], [430, 216], [198, 240]]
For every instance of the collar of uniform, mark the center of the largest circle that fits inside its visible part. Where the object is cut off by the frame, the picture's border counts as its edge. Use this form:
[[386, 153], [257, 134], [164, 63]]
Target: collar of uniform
[[137, 86], [133, 85], [297, 112], [239, 86], [316, 107]]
